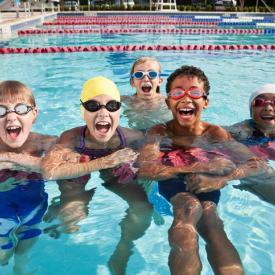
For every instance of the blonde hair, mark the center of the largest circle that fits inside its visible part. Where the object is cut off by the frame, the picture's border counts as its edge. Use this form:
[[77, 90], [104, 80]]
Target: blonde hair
[[11, 90], [142, 60]]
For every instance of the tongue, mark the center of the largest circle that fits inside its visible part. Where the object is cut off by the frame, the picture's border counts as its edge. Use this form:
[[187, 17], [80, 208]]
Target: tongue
[[146, 89], [14, 133], [102, 128]]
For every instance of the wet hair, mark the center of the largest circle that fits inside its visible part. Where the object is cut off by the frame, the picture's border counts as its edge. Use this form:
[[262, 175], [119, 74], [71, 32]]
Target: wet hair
[[189, 71], [12, 90], [142, 60]]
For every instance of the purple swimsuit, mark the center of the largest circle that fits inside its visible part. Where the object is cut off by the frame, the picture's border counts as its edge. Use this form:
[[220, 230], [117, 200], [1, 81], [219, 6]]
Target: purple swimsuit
[[98, 153]]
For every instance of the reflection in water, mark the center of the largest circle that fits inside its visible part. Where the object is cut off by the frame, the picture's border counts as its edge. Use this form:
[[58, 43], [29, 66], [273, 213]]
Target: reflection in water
[[73, 206], [70, 207], [23, 204], [143, 114]]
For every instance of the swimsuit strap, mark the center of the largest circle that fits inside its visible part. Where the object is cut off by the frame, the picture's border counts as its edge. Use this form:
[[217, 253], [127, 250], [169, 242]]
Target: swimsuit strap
[[82, 136], [81, 147], [122, 138]]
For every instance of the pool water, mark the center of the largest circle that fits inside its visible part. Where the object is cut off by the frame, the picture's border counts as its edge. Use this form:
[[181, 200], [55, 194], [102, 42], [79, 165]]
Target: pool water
[[56, 80], [136, 39]]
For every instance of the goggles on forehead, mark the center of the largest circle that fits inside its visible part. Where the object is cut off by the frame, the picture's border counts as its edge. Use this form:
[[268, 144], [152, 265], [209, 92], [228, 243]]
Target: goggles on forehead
[[141, 74], [94, 106], [261, 102], [19, 109], [193, 92]]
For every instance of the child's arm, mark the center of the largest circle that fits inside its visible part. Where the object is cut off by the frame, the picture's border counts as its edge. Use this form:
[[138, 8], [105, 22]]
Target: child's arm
[[247, 165], [198, 183], [150, 165], [25, 161], [62, 162], [21, 162]]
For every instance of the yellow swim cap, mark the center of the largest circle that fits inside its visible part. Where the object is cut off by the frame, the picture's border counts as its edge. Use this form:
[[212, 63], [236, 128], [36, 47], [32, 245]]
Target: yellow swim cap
[[98, 85]]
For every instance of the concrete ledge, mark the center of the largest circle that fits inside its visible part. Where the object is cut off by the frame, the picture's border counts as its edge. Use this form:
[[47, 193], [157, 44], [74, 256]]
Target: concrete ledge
[[9, 24]]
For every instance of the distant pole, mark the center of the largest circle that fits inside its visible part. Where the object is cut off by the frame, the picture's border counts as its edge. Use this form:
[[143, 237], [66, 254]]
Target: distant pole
[[150, 5], [257, 3]]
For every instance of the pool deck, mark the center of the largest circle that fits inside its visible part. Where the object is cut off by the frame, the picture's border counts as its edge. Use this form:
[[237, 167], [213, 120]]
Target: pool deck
[[10, 22]]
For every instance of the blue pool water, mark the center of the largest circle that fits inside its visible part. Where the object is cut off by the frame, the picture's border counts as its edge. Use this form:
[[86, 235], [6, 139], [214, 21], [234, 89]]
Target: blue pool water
[[136, 39], [56, 80]]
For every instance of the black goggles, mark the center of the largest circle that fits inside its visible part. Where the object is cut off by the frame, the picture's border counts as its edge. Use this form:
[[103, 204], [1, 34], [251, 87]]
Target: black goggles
[[94, 106], [19, 109]]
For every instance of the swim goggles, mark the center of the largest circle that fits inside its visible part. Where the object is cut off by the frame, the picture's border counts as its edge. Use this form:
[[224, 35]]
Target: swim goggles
[[261, 102], [94, 106], [193, 92], [19, 109], [141, 74]]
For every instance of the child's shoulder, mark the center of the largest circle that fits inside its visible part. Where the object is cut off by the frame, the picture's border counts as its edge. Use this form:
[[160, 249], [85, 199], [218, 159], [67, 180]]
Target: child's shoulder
[[241, 130], [216, 132], [40, 141], [159, 129], [131, 134], [71, 133]]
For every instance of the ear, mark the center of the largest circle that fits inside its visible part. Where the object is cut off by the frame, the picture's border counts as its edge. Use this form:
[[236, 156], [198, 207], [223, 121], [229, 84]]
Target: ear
[[206, 103], [160, 80], [132, 82], [167, 103], [35, 114]]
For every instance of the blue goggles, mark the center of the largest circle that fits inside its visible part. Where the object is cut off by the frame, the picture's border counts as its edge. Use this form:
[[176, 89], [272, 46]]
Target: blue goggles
[[141, 74]]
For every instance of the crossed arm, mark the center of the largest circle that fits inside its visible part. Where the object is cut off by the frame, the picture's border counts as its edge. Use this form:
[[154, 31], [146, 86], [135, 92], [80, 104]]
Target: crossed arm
[[247, 164], [150, 165], [64, 163]]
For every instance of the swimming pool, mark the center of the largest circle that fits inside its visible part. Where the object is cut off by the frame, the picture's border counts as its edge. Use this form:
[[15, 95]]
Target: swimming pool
[[56, 80]]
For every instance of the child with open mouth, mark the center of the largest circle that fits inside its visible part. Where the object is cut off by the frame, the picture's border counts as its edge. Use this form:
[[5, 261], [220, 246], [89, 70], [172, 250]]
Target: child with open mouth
[[147, 106], [101, 144], [180, 150], [22, 195], [258, 133]]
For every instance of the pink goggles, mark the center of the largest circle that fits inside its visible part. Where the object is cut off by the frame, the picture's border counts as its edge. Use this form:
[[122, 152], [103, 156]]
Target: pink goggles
[[193, 92], [261, 102]]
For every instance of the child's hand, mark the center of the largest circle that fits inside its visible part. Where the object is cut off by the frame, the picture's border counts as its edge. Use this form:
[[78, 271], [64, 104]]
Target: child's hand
[[121, 156], [219, 166], [200, 183], [7, 165]]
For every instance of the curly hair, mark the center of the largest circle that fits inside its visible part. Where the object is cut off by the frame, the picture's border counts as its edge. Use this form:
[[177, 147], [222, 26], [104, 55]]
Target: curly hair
[[188, 71]]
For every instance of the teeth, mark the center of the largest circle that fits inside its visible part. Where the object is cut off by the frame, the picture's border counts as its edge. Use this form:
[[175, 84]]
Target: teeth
[[103, 123], [146, 86], [13, 127], [186, 109]]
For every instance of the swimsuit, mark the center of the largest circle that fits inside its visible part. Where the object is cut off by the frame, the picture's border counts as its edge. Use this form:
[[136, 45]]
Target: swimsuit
[[178, 157], [125, 172], [24, 205], [261, 145], [98, 153]]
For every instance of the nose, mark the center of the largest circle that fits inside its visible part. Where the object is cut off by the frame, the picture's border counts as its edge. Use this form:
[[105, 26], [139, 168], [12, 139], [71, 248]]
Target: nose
[[103, 112], [146, 76], [186, 98], [269, 106], [11, 116]]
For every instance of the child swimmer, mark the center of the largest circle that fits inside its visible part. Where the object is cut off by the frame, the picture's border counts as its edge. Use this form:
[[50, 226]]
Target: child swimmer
[[22, 195], [258, 133], [147, 106], [102, 144], [186, 139]]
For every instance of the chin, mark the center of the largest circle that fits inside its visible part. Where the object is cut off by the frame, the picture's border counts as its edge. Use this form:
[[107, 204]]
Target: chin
[[15, 145]]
